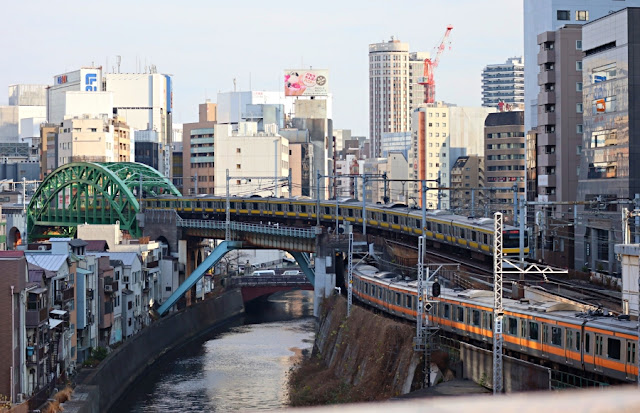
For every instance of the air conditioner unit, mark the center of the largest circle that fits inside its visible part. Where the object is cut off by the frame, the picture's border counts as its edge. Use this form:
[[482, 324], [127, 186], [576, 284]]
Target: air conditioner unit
[[108, 288], [42, 248]]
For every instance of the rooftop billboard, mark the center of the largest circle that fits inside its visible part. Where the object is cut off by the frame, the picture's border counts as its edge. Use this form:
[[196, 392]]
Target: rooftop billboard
[[306, 82]]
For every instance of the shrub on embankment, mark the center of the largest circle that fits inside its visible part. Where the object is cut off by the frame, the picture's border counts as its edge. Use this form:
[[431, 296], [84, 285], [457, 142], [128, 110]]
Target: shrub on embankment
[[365, 357]]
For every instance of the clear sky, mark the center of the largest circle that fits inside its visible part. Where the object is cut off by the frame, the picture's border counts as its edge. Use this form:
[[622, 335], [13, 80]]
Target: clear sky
[[205, 44]]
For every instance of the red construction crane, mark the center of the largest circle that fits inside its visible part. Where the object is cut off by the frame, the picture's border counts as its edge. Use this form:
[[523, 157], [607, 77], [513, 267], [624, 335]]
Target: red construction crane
[[427, 80]]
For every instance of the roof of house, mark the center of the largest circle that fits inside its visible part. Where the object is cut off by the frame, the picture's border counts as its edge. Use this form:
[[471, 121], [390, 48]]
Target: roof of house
[[127, 258], [78, 243], [11, 254], [50, 262], [97, 245]]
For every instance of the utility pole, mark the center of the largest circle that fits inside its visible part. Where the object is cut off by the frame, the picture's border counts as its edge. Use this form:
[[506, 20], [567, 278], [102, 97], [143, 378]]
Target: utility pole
[[290, 184], [523, 218], [515, 204], [275, 176], [317, 197], [498, 311], [424, 204], [195, 178], [227, 233], [364, 205], [350, 275], [385, 198]]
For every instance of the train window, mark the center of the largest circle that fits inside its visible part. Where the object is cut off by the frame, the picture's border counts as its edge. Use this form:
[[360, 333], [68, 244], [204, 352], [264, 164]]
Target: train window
[[366, 288], [613, 348], [350, 212], [380, 292], [587, 343], [598, 345], [290, 207], [523, 329], [486, 238], [490, 321], [418, 224], [395, 219], [255, 205], [447, 311], [577, 341], [468, 317], [384, 217], [460, 315], [513, 326], [397, 298], [280, 207], [545, 333], [534, 334], [462, 233], [631, 352], [428, 226], [409, 301], [373, 290], [473, 235], [476, 318], [244, 205], [326, 210], [440, 228], [556, 336], [303, 208], [569, 334]]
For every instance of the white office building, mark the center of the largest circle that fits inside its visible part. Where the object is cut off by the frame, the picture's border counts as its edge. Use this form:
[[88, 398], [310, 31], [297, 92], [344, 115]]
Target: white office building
[[549, 15], [249, 156]]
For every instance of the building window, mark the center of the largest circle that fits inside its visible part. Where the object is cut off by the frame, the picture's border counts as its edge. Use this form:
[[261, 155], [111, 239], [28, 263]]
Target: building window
[[578, 107], [578, 86], [582, 15], [578, 44], [564, 15], [238, 166], [579, 65], [238, 151], [579, 128]]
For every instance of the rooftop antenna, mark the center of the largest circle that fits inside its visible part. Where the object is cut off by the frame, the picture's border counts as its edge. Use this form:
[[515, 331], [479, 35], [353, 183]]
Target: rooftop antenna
[[118, 61], [234, 84]]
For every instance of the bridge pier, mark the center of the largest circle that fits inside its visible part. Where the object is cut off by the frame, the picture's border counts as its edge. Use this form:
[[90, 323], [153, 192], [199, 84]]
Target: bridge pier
[[325, 272]]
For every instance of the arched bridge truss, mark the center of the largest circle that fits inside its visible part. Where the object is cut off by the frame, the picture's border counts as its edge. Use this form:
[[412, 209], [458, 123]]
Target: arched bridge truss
[[93, 193]]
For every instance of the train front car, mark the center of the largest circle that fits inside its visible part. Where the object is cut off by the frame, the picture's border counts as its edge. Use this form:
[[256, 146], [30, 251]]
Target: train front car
[[511, 242]]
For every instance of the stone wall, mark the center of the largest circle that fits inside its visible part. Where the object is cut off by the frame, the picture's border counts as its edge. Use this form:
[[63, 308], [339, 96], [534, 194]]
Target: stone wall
[[519, 375], [110, 380]]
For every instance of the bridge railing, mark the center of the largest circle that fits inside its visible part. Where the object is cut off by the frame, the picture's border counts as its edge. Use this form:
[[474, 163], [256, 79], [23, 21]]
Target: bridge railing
[[244, 227], [250, 281]]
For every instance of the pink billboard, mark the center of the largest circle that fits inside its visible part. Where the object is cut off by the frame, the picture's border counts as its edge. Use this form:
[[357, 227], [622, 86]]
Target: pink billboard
[[306, 82]]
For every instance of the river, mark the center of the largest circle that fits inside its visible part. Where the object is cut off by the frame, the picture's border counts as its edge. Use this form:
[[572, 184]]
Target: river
[[241, 366]]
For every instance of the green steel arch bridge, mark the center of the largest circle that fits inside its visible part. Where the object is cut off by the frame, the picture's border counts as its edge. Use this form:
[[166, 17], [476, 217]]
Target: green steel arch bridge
[[93, 193]]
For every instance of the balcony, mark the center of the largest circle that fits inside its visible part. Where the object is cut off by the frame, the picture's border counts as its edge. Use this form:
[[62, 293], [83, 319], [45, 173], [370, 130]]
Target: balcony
[[546, 76], [34, 318], [546, 97], [545, 139], [68, 294], [545, 37], [547, 118], [546, 56]]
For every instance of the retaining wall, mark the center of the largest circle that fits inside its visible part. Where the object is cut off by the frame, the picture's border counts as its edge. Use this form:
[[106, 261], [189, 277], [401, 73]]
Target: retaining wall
[[109, 381], [519, 375]]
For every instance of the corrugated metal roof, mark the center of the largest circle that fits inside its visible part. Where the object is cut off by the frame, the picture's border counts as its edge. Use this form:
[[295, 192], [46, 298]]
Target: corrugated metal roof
[[127, 258], [50, 262]]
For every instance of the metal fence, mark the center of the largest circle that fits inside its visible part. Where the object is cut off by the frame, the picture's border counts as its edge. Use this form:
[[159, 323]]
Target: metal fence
[[561, 380], [244, 227]]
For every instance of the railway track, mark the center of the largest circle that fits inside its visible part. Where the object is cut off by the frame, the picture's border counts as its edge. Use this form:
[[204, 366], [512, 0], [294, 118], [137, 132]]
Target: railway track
[[480, 276]]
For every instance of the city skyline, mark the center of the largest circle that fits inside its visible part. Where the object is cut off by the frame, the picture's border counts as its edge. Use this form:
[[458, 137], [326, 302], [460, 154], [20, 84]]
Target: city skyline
[[191, 43]]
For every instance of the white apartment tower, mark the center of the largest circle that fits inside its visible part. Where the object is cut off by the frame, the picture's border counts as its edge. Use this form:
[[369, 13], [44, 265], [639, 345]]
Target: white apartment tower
[[504, 82], [393, 88]]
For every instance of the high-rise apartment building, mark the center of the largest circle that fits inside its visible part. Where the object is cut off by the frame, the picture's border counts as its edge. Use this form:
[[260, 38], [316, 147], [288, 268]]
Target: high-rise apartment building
[[559, 137], [610, 137], [549, 15], [504, 160], [393, 88], [504, 82]]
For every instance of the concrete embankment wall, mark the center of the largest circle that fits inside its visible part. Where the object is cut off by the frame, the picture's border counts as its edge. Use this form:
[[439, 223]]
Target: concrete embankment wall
[[519, 375], [370, 352], [110, 380]]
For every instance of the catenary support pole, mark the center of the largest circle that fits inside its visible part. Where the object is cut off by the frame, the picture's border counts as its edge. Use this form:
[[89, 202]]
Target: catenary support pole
[[498, 311]]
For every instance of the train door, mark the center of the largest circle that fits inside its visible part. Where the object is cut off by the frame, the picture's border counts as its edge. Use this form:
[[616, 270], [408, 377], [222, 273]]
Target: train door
[[631, 367], [568, 345], [598, 352]]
